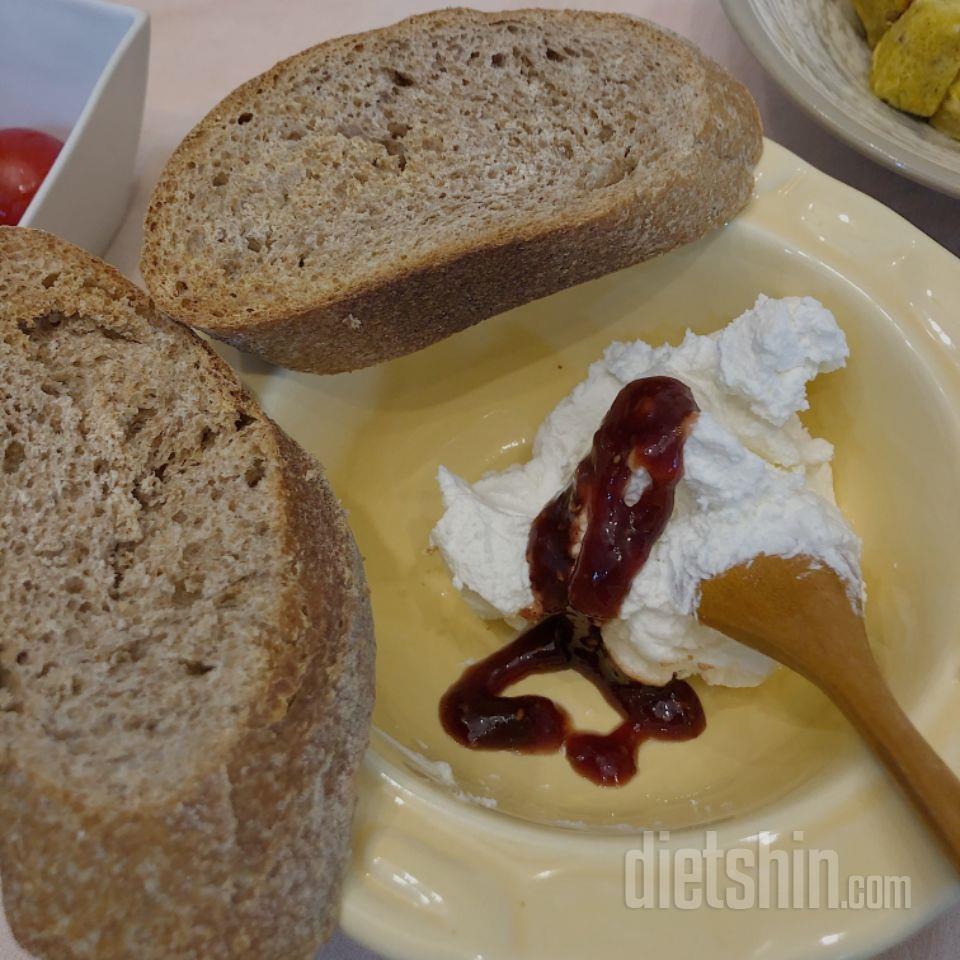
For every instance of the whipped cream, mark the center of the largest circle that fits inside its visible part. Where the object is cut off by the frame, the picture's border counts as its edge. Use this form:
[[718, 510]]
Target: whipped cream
[[755, 482]]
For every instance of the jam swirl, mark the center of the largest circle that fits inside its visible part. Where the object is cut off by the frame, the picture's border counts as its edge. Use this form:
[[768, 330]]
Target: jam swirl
[[585, 548]]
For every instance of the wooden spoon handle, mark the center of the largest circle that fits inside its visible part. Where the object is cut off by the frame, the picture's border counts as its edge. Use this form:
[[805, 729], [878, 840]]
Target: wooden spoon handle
[[925, 778]]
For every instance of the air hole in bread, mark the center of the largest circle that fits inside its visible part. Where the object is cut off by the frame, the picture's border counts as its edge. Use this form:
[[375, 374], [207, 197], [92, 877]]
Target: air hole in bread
[[139, 420], [130, 652], [148, 724], [109, 334], [399, 78], [498, 59], [395, 149], [254, 473], [183, 596], [243, 420], [50, 279], [555, 55], [254, 244], [221, 179], [8, 700], [192, 550], [197, 668], [22, 657], [40, 325], [245, 117], [13, 456]]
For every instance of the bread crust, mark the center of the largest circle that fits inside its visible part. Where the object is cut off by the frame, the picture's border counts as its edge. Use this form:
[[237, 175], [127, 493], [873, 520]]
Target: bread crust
[[417, 304], [247, 860]]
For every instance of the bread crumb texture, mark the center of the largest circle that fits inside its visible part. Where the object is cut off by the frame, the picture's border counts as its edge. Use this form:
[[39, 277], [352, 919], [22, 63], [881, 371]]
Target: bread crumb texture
[[368, 160], [180, 604], [141, 555]]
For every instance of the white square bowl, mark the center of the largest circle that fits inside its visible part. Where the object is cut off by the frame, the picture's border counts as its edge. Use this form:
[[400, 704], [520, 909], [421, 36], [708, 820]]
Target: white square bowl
[[77, 69]]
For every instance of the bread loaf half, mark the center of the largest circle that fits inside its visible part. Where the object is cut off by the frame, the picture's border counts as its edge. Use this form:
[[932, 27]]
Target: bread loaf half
[[186, 653], [379, 192]]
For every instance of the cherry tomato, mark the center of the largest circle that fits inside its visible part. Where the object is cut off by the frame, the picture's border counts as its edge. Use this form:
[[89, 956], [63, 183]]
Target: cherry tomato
[[26, 156]]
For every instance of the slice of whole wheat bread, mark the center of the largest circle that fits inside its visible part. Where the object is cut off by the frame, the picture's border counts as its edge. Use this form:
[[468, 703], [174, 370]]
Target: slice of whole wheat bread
[[381, 191], [186, 653]]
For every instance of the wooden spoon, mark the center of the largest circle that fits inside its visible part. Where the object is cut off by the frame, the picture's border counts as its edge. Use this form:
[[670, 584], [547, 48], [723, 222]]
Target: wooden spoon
[[798, 613]]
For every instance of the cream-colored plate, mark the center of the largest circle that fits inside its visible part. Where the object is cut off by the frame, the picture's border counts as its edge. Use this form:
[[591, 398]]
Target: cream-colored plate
[[462, 854]]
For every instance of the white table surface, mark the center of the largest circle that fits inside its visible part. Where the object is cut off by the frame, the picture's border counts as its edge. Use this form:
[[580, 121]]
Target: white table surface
[[201, 49]]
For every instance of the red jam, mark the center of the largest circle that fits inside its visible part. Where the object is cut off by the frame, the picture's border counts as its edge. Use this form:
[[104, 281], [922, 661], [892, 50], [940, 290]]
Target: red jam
[[475, 713], [585, 548], [645, 427]]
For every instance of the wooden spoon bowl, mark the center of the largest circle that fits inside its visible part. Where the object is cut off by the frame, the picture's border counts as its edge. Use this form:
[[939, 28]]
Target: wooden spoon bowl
[[797, 611]]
